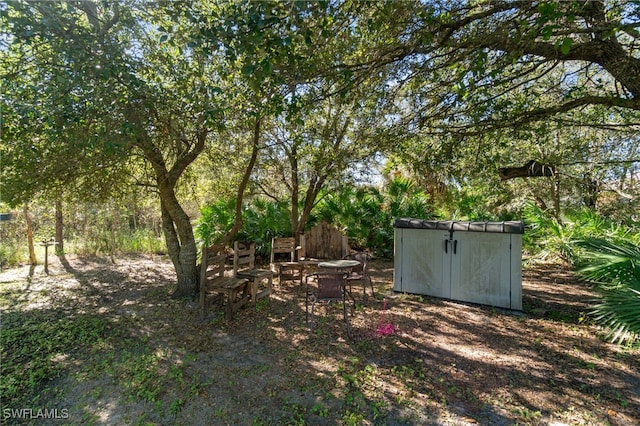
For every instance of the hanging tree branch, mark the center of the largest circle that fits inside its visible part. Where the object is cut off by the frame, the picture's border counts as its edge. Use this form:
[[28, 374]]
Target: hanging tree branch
[[531, 169], [535, 169]]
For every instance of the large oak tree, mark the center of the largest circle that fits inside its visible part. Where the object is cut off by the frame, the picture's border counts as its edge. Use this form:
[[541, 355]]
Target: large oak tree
[[113, 103]]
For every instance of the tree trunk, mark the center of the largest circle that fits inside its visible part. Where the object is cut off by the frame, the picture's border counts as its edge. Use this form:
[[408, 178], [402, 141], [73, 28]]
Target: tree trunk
[[181, 244], [591, 191], [176, 224], [556, 188], [295, 193], [59, 228], [29, 222], [556, 198], [310, 200]]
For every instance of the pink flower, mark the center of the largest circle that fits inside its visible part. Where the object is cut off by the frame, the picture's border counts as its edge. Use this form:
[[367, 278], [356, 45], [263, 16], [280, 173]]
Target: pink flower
[[386, 329]]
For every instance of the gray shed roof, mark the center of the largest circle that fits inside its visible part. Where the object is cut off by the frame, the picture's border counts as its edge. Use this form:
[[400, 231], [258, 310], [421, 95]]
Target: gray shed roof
[[506, 227]]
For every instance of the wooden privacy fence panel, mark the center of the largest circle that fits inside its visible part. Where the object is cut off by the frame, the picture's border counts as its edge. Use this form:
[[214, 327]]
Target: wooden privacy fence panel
[[324, 241]]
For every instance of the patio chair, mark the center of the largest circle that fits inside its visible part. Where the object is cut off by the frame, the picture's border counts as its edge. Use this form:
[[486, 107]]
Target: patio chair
[[359, 273], [244, 254], [233, 291], [290, 269], [331, 286]]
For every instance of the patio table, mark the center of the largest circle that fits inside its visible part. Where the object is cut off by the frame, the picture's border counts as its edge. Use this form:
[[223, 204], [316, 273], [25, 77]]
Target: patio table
[[339, 264], [344, 266]]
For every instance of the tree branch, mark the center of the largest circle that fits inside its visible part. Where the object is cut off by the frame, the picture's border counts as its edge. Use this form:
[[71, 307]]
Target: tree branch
[[255, 147]]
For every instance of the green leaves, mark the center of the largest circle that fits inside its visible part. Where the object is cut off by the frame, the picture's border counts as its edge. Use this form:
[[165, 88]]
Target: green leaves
[[35, 342], [367, 214], [565, 46]]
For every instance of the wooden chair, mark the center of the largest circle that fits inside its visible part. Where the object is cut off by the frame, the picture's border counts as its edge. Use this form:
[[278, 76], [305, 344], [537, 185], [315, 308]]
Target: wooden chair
[[291, 269], [359, 273], [233, 291], [331, 286], [244, 255]]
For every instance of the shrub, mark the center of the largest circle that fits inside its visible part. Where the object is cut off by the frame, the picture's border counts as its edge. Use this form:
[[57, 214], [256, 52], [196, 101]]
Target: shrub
[[367, 214], [262, 220]]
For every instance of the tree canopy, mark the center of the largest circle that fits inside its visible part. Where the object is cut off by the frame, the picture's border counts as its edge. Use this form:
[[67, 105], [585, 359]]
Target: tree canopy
[[483, 65], [101, 96]]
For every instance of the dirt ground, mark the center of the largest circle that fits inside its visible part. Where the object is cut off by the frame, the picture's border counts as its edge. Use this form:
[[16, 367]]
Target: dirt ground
[[435, 363]]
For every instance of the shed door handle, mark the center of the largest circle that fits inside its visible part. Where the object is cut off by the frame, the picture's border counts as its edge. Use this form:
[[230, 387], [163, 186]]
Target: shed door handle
[[455, 246], [446, 246]]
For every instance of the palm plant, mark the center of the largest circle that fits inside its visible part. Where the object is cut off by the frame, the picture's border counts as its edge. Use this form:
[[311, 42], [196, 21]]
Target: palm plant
[[263, 220], [353, 210], [215, 220], [367, 214], [546, 237], [614, 266]]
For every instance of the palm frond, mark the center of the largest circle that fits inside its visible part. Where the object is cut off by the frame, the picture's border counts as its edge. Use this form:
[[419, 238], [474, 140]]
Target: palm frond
[[619, 314], [614, 266], [610, 262]]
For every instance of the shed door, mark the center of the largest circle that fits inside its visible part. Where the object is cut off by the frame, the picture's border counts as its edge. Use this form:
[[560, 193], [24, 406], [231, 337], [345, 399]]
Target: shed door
[[480, 268], [425, 268]]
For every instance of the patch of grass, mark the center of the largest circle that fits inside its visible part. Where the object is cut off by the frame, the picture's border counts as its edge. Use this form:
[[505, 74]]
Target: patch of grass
[[218, 319], [351, 418], [38, 345], [176, 406], [379, 410], [527, 414], [262, 305], [320, 410], [140, 376], [296, 413], [11, 254], [221, 413], [408, 372], [361, 386], [259, 422]]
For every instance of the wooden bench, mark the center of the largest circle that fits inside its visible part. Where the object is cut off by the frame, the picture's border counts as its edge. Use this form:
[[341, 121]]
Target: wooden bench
[[234, 291], [244, 255]]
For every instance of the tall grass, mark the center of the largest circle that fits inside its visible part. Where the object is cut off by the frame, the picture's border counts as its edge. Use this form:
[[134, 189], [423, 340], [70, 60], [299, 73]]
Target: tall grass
[[141, 241], [12, 253], [13, 241], [111, 242]]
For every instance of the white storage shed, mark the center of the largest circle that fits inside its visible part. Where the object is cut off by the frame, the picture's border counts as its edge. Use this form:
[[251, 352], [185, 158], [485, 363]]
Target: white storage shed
[[477, 262]]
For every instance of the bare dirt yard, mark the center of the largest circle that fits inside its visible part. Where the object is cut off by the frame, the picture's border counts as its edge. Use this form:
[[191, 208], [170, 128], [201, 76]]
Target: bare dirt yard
[[96, 342]]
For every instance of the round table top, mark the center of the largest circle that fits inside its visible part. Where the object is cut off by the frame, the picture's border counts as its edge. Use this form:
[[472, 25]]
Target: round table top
[[340, 263]]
